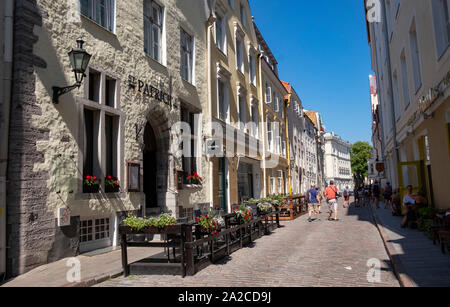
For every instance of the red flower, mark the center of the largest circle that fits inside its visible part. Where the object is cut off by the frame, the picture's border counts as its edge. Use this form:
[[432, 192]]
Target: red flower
[[109, 177], [88, 177], [95, 178]]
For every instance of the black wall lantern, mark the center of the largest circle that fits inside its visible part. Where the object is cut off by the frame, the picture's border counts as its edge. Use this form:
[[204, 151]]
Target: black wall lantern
[[79, 59]]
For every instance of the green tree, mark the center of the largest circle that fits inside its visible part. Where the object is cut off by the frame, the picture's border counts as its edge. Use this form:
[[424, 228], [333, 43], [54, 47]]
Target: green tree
[[360, 156]]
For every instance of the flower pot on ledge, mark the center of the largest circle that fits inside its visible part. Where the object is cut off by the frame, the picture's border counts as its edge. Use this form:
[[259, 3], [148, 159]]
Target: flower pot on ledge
[[112, 189], [91, 189]]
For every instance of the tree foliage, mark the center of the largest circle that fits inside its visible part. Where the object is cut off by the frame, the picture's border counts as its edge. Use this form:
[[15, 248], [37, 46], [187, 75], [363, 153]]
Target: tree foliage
[[360, 156]]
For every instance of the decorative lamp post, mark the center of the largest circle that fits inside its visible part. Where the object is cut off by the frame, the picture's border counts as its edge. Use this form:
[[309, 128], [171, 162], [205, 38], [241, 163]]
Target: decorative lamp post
[[79, 59]]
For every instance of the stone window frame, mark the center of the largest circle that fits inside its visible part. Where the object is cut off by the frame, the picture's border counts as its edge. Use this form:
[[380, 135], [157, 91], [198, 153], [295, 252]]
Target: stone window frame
[[242, 93], [221, 12], [163, 41], [110, 5], [239, 35], [224, 76], [254, 105], [83, 103], [252, 56], [191, 62]]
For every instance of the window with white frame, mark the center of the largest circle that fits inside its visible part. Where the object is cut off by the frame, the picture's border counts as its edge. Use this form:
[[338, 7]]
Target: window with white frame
[[101, 125], [441, 20], [280, 178], [255, 120], [272, 183], [252, 59], [153, 29], [220, 33], [268, 93], [240, 54], [415, 57], [269, 135], [223, 103], [276, 105], [100, 11], [187, 56]]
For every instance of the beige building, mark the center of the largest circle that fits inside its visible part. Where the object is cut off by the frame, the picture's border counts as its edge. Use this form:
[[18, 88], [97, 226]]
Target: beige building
[[146, 74], [274, 98], [234, 112], [411, 58]]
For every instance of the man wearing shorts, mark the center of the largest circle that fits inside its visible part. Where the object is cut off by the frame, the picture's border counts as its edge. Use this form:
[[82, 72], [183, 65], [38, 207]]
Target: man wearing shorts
[[331, 193], [313, 204]]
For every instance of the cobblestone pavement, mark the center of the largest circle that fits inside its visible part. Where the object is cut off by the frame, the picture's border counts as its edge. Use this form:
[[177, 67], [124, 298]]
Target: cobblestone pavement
[[321, 253]]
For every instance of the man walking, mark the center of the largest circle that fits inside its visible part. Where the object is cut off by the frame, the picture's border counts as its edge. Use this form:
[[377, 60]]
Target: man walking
[[387, 195], [331, 192], [376, 191], [313, 203]]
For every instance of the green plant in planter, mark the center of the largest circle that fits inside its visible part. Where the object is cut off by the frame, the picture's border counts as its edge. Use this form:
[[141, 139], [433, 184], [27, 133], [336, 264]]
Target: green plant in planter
[[265, 207], [138, 223], [209, 224], [91, 184], [244, 213]]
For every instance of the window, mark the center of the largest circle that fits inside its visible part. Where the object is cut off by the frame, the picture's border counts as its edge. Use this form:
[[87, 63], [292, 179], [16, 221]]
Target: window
[[223, 100], [278, 144], [243, 16], [220, 33], [187, 58], [189, 162], [94, 230], [272, 183], [252, 59], [280, 176], [268, 93], [100, 140], [255, 120], [406, 98], [100, 11], [153, 29], [441, 22], [283, 148], [240, 54], [396, 96], [415, 57], [242, 112], [276, 105], [269, 135]]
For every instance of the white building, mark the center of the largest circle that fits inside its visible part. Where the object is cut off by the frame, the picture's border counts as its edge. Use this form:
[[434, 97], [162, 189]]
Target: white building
[[337, 161]]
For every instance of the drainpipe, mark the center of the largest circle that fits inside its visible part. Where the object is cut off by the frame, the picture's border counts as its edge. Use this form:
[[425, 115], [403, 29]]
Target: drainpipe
[[209, 26], [4, 123], [388, 54], [288, 144]]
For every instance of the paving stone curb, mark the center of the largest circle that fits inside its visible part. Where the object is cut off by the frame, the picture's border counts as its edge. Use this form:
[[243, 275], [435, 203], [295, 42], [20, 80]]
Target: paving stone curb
[[397, 265], [94, 280]]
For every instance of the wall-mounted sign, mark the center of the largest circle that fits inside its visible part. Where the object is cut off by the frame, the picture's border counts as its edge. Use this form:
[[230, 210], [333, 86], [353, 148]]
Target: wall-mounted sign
[[150, 91], [63, 217], [380, 167], [134, 177], [433, 94]]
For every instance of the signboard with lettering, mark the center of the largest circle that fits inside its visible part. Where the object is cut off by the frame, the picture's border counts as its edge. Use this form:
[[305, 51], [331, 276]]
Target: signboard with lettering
[[63, 217], [150, 91]]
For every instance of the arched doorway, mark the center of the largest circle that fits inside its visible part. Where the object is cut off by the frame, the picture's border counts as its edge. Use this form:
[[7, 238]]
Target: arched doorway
[[150, 163]]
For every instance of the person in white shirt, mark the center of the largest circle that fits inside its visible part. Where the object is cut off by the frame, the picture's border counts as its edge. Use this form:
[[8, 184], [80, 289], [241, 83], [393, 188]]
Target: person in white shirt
[[408, 202]]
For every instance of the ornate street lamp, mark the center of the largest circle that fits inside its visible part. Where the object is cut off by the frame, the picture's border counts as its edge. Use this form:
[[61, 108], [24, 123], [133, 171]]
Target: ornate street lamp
[[79, 59]]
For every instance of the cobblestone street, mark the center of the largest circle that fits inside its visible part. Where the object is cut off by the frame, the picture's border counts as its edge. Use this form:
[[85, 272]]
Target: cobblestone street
[[321, 253]]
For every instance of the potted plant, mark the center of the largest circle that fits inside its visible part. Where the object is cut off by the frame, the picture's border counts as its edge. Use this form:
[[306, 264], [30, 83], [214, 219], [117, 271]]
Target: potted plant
[[91, 184], [194, 179], [264, 208], [209, 224], [112, 184], [243, 214]]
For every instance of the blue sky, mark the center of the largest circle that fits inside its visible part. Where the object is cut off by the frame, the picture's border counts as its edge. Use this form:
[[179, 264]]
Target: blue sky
[[322, 50]]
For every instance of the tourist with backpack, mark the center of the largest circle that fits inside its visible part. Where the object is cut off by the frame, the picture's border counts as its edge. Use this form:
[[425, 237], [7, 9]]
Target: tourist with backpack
[[313, 204], [332, 194]]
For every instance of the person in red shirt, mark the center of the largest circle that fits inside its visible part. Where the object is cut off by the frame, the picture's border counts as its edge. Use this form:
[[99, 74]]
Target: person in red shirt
[[331, 193]]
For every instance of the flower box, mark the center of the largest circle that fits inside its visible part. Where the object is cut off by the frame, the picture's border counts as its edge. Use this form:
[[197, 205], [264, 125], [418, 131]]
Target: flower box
[[91, 184], [112, 184]]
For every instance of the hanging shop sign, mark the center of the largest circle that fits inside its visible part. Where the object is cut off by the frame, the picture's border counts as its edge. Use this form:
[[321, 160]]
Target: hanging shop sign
[[380, 167], [150, 91], [63, 217]]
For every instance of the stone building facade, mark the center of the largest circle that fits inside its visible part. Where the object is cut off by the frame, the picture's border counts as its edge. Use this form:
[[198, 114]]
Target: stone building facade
[[338, 162], [6, 57], [411, 59], [145, 76]]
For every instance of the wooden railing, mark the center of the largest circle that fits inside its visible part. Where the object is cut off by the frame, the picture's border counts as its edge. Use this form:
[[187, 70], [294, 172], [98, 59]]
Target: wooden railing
[[196, 250], [293, 207]]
